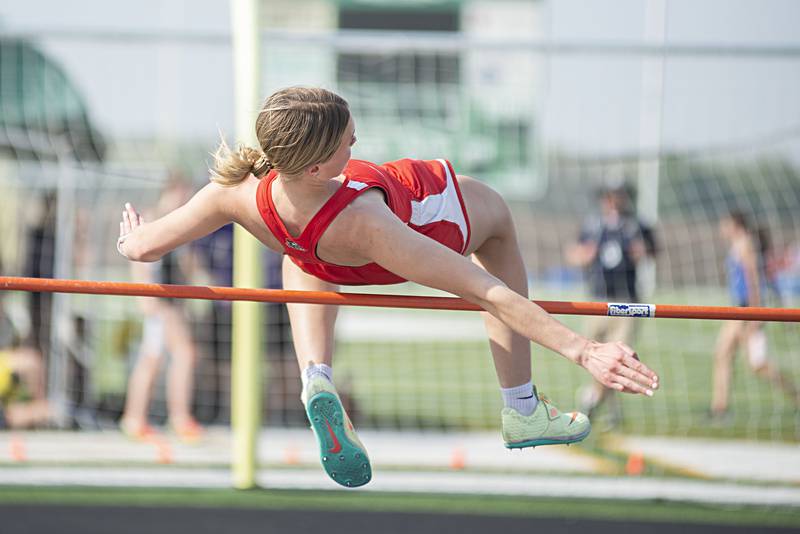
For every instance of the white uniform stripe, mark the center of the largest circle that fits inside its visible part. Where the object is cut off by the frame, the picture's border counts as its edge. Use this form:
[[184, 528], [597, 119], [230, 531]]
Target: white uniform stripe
[[444, 206], [358, 186]]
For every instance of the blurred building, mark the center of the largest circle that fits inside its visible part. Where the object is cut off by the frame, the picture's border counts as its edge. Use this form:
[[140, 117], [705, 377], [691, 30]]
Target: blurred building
[[43, 116]]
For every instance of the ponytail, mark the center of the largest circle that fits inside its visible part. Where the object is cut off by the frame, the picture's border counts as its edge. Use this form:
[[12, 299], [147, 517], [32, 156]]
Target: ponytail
[[231, 166]]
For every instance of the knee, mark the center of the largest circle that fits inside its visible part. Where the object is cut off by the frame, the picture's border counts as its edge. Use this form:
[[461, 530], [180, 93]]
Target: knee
[[186, 354], [28, 361], [723, 355], [149, 363], [761, 369]]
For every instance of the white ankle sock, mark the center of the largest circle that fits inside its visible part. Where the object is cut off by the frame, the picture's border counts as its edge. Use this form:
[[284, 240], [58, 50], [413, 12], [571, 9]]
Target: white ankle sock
[[521, 398], [317, 369]]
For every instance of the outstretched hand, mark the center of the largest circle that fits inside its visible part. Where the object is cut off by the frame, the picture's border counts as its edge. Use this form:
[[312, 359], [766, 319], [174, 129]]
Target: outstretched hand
[[131, 220], [616, 366]]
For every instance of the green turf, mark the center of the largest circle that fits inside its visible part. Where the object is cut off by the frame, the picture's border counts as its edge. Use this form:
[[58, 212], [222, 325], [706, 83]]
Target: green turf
[[395, 502], [452, 384]]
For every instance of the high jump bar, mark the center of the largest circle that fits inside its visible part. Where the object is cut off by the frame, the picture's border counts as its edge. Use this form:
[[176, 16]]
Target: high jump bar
[[618, 309]]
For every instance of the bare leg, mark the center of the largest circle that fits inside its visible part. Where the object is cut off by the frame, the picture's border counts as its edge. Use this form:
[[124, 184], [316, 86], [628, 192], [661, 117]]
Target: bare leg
[[769, 371], [729, 338], [140, 386], [28, 414], [26, 362], [143, 376], [494, 247], [312, 324], [756, 347], [180, 376]]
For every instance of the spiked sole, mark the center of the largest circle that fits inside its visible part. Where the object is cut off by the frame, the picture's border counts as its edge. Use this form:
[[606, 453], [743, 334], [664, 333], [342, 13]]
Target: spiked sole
[[549, 441], [344, 461]]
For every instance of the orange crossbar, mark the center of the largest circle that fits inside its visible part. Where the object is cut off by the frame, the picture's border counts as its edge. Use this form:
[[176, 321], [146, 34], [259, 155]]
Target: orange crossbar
[[51, 285]]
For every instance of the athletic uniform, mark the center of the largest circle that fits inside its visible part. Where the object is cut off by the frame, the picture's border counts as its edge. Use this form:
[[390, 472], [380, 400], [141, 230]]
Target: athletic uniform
[[424, 194], [612, 273], [737, 280], [739, 290]]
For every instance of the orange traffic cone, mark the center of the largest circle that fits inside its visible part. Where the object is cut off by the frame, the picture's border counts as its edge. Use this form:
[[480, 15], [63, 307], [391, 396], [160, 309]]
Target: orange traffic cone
[[290, 455], [163, 452], [458, 459], [16, 449], [635, 464]]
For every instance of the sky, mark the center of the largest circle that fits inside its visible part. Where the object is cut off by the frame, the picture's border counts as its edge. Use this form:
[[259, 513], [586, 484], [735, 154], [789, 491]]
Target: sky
[[592, 103]]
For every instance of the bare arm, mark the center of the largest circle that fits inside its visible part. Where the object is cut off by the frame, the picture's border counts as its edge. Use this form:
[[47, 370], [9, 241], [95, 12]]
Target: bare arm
[[375, 234], [201, 215], [581, 254], [637, 250]]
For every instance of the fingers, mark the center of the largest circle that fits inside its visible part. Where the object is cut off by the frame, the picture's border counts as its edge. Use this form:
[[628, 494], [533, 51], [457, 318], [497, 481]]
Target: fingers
[[647, 374], [634, 381], [617, 366], [135, 218], [626, 385], [627, 350], [629, 374], [632, 360], [126, 223], [130, 220]]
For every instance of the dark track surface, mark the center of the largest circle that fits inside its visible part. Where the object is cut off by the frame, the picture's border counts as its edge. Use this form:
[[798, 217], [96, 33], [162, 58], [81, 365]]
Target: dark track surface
[[49, 519]]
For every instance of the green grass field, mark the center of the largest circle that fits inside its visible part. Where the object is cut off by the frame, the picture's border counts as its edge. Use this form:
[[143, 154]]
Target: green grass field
[[398, 502], [452, 384]]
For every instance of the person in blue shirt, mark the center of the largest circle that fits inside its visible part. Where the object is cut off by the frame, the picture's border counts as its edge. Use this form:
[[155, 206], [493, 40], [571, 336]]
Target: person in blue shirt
[[747, 287]]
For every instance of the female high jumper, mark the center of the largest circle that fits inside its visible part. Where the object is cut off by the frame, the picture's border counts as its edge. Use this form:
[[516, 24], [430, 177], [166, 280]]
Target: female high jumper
[[349, 222]]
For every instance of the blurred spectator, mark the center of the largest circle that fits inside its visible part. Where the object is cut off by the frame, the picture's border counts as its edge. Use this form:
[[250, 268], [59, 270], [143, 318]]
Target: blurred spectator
[[610, 245], [747, 283], [214, 252], [782, 269], [788, 277], [23, 403], [166, 328], [40, 244]]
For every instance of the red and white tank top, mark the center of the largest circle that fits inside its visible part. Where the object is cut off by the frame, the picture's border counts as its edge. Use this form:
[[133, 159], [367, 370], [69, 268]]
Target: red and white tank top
[[424, 194]]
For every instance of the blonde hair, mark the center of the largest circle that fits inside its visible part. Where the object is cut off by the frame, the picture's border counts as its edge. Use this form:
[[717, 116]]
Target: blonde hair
[[296, 127]]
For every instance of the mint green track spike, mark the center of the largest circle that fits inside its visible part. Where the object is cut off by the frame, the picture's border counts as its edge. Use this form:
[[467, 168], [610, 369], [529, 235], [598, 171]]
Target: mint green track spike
[[547, 425], [342, 455]]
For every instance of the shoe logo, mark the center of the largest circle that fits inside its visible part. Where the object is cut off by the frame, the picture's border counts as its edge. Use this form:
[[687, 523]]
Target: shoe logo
[[574, 415], [336, 445], [553, 412]]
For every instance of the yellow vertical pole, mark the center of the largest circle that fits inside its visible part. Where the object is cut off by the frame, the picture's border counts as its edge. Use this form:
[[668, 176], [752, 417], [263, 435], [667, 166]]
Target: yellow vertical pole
[[246, 336]]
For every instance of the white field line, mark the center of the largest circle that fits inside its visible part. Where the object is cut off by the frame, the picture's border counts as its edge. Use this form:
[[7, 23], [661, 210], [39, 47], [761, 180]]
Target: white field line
[[420, 482], [731, 459], [297, 447]]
